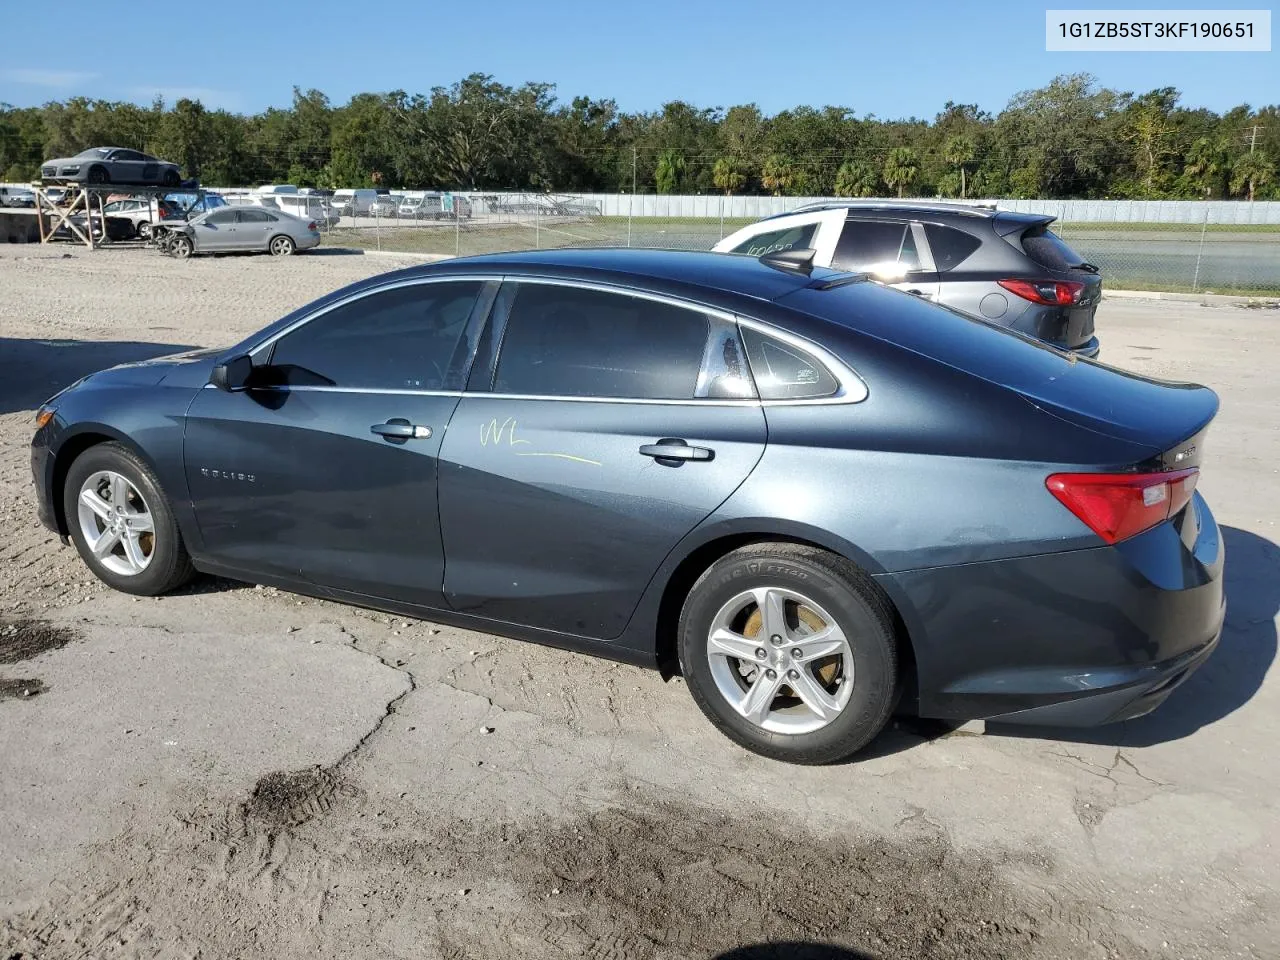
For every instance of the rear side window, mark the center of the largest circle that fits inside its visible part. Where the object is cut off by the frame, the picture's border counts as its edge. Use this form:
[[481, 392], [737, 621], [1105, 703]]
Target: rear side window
[[574, 342], [950, 247], [253, 216], [792, 238], [1049, 250], [876, 246], [407, 338], [786, 372]]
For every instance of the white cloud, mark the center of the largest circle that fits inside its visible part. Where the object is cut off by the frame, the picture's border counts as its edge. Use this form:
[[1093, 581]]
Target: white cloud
[[47, 78], [210, 97]]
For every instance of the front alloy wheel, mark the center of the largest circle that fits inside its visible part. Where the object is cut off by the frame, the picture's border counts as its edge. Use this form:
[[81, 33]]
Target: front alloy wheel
[[116, 523]]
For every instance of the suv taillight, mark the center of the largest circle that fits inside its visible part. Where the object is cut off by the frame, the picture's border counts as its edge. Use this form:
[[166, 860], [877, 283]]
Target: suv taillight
[[1117, 506], [1053, 293]]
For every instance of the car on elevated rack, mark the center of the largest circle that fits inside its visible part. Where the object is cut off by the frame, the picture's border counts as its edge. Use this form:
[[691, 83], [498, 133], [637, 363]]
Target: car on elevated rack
[[111, 165], [1007, 268], [809, 494]]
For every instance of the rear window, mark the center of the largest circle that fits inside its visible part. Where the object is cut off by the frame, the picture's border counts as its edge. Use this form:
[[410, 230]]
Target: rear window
[[1049, 250]]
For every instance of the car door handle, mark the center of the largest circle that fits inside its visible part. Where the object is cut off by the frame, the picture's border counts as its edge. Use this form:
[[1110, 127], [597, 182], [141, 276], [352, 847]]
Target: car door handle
[[675, 450], [400, 429]]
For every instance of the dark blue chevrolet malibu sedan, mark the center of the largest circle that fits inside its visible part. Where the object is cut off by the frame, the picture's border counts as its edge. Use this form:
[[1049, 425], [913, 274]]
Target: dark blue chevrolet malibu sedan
[[812, 496]]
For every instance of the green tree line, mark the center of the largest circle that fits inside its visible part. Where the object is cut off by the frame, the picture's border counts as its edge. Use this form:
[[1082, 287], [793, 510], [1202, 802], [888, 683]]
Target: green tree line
[[1071, 138]]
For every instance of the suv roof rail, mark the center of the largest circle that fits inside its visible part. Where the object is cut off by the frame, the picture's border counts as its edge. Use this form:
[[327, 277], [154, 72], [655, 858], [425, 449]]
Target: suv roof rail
[[977, 208]]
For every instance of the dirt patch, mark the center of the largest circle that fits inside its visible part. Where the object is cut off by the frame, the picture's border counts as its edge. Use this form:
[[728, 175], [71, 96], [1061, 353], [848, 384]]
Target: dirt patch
[[281, 800], [312, 866], [17, 689], [23, 639]]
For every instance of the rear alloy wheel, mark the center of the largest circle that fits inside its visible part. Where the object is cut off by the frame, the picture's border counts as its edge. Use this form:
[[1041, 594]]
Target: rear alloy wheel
[[179, 247], [122, 524], [281, 246], [143, 229], [791, 652], [171, 178]]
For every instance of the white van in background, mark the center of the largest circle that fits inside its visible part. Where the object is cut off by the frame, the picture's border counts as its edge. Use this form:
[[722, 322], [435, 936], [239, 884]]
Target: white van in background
[[16, 196], [306, 206], [349, 203]]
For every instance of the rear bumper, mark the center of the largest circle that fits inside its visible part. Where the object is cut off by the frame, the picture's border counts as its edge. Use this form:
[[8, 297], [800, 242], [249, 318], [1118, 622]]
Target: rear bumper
[[1089, 349], [1077, 638]]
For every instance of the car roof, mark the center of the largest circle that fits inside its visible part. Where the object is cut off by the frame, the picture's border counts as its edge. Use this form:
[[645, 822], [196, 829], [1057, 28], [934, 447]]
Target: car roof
[[935, 211], [654, 269]]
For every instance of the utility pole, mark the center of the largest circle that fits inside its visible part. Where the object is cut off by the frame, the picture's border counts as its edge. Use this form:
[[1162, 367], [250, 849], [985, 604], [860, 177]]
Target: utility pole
[[1253, 138]]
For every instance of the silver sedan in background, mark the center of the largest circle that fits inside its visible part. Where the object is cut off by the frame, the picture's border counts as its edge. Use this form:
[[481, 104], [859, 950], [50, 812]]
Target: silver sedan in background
[[231, 229]]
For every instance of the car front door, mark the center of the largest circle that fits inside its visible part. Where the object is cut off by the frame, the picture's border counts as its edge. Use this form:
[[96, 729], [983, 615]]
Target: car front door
[[126, 166], [215, 231], [326, 470], [892, 251], [610, 425]]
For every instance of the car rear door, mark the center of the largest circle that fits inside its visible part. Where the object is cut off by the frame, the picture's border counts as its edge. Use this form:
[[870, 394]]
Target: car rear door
[[892, 251], [609, 425], [326, 469], [253, 228]]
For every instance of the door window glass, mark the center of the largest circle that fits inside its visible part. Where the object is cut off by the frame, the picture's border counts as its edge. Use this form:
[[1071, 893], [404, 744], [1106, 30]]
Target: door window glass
[[574, 342], [792, 238], [877, 247], [252, 216], [785, 372], [406, 338], [950, 246], [221, 217]]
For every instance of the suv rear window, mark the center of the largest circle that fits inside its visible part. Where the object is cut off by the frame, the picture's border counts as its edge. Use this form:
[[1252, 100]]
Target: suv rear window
[[1049, 250]]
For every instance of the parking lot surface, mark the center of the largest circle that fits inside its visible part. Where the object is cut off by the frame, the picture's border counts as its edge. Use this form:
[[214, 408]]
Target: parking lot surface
[[239, 771]]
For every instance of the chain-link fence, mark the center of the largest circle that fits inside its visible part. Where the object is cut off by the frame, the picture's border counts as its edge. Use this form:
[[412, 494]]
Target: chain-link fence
[[1220, 247]]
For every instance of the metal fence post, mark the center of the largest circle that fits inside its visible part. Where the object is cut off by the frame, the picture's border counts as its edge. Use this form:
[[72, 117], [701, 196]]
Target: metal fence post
[[722, 216], [537, 225], [457, 228], [1204, 228]]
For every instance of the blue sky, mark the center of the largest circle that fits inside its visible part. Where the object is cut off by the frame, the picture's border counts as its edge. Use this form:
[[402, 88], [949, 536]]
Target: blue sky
[[888, 59]]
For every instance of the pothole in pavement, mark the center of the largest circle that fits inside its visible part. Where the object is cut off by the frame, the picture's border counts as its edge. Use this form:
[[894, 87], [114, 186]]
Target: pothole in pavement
[[20, 689], [23, 639]]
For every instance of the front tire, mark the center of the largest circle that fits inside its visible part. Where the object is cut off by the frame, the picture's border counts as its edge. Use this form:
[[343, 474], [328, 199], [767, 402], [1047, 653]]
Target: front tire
[[791, 652], [180, 247], [98, 175], [122, 523]]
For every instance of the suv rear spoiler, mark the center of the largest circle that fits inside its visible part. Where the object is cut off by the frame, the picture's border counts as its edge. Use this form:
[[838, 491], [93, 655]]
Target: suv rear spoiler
[[1007, 222]]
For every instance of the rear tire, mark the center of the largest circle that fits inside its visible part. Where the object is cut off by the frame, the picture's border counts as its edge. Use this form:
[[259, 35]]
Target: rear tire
[[282, 246], [171, 178], [143, 230], [156, 561], [823, 602]]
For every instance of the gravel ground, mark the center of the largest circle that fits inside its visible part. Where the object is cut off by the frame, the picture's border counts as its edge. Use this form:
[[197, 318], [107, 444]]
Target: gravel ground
[[234, 771]]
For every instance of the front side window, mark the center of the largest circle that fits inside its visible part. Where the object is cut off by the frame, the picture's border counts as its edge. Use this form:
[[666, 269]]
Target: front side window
[[575, 342], [406, 338], [786, 372], [877, 247], [792, 238], [221, 217]]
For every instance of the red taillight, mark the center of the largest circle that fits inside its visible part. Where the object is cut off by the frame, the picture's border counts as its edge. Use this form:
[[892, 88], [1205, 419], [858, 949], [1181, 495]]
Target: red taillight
[[1053, 293], [312, 226], [1117, 506]]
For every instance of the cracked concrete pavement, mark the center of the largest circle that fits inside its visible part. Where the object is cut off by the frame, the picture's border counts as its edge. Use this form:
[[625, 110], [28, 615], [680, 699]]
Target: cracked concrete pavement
[[408, 762]]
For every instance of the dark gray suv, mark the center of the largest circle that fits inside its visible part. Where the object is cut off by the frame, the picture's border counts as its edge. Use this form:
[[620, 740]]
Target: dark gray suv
[[1008, 268]]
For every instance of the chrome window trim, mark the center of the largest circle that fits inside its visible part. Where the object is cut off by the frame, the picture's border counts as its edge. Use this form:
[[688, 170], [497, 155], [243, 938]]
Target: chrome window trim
[[853, 389], [380, 288]]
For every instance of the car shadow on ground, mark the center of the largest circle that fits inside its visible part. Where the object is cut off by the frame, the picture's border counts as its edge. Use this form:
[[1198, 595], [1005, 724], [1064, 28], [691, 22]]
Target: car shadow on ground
[[793, 951], [1228, 679], [33, 370]]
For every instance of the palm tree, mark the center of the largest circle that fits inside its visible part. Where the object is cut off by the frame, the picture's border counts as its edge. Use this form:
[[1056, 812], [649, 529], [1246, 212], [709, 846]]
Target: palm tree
[[856, 179], [1206, 162], [728, 175], [777, 174], [959, 151], [900, 168], [1253, 170], [667, 173]]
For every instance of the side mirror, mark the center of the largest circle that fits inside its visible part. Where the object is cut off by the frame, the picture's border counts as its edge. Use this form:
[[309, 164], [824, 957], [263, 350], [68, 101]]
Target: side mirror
[[232, 375]]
